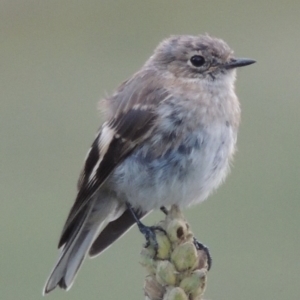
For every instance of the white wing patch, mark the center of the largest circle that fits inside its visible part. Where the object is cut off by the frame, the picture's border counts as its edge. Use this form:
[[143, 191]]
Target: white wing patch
[[105, 138]]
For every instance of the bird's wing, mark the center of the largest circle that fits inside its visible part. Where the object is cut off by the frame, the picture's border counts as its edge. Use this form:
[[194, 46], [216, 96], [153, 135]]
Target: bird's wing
[[113, 231], [133, 116]]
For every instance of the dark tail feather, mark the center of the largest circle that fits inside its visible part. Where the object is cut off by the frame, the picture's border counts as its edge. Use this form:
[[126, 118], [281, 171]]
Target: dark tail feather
[[113, 231], [71, 256], [76, 247]]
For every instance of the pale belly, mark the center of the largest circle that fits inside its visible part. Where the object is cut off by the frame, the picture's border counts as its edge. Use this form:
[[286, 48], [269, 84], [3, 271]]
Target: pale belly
[[183, 176]]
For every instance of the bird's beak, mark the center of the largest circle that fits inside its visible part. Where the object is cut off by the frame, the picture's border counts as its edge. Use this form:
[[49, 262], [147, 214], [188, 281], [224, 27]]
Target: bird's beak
[[238, 62]]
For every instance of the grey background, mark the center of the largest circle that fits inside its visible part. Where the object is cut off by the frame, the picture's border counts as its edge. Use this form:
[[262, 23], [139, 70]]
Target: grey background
[[58, 58]]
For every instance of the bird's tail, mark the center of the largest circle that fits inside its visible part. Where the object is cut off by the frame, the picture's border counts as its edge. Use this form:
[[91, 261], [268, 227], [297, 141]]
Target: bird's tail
[[73, 252]]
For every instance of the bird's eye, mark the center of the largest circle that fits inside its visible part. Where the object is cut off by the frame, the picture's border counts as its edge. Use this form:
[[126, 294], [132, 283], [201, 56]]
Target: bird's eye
[[197, 61]]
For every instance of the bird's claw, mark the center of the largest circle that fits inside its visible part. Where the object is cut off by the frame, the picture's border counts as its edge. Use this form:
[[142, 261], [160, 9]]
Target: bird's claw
[[200, 246], [150, 235]]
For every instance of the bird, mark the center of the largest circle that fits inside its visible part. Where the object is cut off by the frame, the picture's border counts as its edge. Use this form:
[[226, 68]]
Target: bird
[[168, 138]]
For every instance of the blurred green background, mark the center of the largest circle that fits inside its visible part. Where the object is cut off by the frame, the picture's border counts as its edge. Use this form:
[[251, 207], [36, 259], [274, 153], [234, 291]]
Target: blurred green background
[[58, 58]]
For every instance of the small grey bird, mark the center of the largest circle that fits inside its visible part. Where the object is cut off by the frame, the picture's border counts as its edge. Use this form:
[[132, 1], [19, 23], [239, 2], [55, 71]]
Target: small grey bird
[[169, 136]]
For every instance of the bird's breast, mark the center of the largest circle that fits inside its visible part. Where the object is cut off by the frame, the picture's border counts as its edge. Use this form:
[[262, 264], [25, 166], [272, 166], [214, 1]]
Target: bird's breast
[[168, 169], [187, 154]]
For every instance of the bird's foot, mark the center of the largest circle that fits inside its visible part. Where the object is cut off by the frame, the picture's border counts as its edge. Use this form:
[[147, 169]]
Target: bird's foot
[[150, 235], [147, 231], [200, 246]]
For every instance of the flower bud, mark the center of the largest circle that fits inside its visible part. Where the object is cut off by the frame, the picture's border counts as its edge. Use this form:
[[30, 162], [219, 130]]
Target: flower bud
[[177, 230], [166, 273], [185, 257], [147, 261], [175, 293], [153, 290], [164, 246]]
